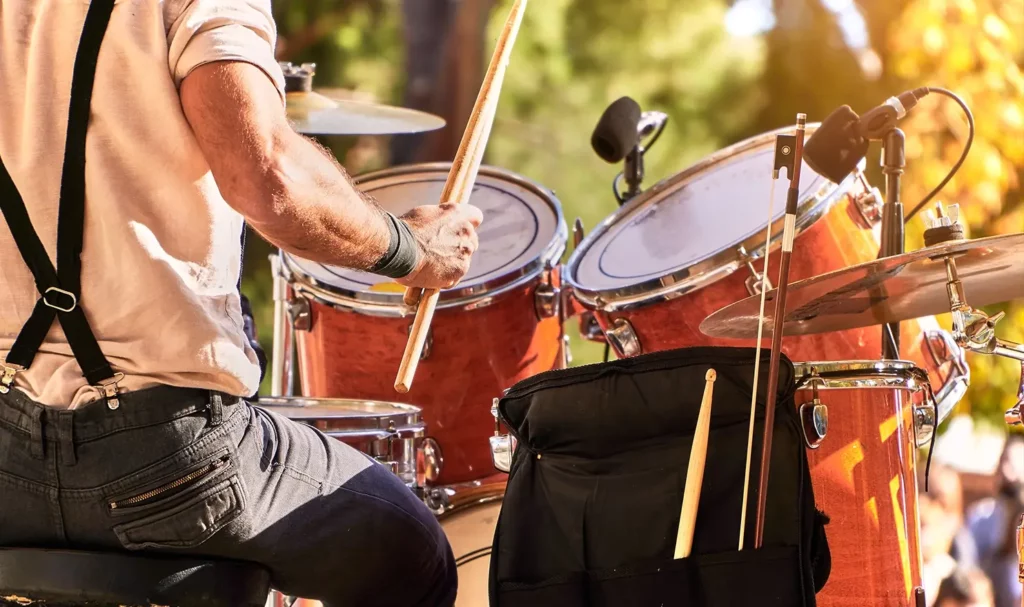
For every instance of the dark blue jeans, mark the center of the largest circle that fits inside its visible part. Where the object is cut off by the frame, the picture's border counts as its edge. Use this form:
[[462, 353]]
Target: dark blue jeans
[[190, 472]]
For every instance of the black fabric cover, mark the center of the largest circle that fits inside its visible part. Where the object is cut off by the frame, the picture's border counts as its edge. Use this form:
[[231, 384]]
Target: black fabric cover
[[591, 509]]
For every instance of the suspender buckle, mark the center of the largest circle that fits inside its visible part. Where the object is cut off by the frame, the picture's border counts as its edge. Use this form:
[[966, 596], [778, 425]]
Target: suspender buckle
[[7, 373], [60, 300], [109, 389]]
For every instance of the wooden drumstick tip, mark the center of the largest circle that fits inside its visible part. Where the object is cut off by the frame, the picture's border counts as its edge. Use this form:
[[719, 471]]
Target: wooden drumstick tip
[[711, 375]]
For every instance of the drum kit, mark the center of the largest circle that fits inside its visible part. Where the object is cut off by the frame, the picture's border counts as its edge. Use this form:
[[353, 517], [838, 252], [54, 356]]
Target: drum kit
[[677, 265]]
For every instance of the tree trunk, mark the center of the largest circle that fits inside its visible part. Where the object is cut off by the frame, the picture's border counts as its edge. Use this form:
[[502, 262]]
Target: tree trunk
[[446, 58]]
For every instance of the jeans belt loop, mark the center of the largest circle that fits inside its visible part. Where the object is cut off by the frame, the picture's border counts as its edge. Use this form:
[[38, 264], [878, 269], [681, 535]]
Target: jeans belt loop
[[38, 448], [66, 437], [216, 409]]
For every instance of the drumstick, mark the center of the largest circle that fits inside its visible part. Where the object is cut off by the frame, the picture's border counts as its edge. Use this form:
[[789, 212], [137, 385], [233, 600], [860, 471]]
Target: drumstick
[[695, 471], [461, 179], [788, 234]]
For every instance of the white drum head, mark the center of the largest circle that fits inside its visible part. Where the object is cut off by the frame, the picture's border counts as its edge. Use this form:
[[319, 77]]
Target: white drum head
[[715, 206], [522, 228]]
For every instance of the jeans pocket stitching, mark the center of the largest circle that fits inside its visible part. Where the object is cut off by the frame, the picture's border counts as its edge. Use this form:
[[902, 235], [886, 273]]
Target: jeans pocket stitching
[[237, 507]]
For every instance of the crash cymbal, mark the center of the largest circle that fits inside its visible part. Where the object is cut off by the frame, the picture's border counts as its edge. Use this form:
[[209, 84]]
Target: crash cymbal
[[317, 113], [887, 290]]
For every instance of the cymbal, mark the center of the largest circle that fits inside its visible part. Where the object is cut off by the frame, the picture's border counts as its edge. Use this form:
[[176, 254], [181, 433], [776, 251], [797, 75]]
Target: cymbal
[[887, 290], [317, 113]]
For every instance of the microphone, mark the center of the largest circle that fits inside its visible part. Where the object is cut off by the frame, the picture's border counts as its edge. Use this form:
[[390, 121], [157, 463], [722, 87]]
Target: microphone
[[841, 142], [616, 133]]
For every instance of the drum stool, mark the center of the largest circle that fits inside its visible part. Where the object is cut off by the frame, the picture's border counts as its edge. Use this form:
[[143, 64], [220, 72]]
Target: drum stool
[[71, 577]]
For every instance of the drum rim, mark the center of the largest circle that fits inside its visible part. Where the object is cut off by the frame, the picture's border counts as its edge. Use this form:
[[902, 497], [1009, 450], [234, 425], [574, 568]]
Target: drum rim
[[411, 413], [716, 265], [867, 374], [390, 304]]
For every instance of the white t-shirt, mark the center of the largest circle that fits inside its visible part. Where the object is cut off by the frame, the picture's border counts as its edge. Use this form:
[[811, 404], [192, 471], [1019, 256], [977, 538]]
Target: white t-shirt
[[161, 254]]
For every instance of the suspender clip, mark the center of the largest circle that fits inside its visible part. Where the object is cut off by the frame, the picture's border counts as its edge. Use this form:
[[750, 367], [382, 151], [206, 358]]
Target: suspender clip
[[60, 300], [110, 390], [7, 373]]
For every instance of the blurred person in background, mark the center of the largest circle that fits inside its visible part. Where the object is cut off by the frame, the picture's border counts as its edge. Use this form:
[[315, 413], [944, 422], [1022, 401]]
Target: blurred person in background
[[993, 524], [945, 542], [965, 587]]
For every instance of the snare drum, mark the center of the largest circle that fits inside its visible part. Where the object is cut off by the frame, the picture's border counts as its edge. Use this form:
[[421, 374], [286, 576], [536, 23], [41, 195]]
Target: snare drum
[[862, 422], [391, 433], [501, 324], [689, 246]]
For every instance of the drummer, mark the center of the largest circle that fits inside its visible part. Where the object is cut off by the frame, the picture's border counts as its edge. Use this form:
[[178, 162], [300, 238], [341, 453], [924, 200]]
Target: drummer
[[146, 442]]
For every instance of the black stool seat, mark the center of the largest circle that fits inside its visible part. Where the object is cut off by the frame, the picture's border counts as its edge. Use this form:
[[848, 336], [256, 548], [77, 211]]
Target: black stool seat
[[70, 577]]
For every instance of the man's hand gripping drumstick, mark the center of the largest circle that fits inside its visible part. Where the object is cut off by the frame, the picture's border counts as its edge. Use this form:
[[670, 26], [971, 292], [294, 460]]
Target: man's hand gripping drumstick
[[460, 184]]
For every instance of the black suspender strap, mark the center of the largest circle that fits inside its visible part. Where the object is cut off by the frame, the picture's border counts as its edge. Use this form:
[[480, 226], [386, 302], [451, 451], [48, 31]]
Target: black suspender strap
[[60, 287]]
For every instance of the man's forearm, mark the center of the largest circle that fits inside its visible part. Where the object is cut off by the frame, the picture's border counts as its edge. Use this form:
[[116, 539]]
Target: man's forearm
[[312, 209]]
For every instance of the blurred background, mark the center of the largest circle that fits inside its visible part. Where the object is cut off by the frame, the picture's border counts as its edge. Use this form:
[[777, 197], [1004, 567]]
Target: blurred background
[[723, 70]]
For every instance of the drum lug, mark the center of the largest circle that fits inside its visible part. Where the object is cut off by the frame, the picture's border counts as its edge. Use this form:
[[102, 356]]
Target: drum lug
[[924, 423], [814, 416], [590, 329], [623, 339], [502, 445], [944, 349], [299, 314], [756, 279], [429, 461], [869, 203], [566, 352], [546, 299]]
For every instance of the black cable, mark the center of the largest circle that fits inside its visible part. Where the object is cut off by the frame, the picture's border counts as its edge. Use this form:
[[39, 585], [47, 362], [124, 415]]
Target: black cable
[[963, 155], [472, 555], [607, 351]]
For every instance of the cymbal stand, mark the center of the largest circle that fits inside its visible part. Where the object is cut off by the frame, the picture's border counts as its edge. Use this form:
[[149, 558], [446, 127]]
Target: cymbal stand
[[973, 329], [282, 368]]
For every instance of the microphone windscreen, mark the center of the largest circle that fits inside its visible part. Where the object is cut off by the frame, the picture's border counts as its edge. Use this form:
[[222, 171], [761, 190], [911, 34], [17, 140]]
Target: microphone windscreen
[[836, 147], [616, 132]]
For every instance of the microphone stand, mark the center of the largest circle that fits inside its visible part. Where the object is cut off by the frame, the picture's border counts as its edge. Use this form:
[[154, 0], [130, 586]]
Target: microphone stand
[[894, 161]]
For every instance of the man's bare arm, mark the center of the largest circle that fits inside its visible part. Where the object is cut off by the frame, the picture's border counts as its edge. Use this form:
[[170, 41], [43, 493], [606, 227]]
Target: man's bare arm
[[287, 188]]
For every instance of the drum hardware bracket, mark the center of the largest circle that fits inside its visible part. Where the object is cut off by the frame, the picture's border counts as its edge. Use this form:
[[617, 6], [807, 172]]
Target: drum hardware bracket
[[502, 445], [299, 314], [623, 339], [814, 415], [566, 352], [974, 330], [429, 454], [546, 300], [651, 125], [590, 329], [869, 206], [756, 279], [578, 233], [960, 377]]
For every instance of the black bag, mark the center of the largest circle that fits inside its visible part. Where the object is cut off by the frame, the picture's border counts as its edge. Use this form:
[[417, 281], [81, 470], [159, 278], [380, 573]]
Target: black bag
[[592, 505]]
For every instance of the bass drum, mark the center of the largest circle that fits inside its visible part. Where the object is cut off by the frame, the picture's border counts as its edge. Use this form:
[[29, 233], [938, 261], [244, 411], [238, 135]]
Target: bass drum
[[501, 324], [471, 533]]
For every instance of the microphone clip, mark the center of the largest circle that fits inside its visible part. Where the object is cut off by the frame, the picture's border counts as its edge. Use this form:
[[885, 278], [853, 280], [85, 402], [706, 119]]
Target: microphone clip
[[650, 126]]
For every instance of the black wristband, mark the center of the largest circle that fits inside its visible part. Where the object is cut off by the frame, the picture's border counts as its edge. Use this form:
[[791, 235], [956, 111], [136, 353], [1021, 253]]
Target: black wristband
[[403, 253]]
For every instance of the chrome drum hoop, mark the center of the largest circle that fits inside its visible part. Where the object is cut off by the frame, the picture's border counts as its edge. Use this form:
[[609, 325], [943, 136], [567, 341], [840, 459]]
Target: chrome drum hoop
[[720, 263], [393, 437], [476, 296], [876, 375]]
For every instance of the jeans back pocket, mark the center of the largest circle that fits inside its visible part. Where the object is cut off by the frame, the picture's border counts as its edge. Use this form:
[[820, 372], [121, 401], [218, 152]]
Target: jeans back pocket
[[190, 521]]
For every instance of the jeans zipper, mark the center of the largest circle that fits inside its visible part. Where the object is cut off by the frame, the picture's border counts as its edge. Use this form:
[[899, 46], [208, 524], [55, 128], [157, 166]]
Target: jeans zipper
[[192, 477]]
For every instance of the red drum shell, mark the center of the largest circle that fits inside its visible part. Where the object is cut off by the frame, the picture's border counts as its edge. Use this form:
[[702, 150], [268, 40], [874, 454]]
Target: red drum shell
[[474, 355], [864, 475]]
